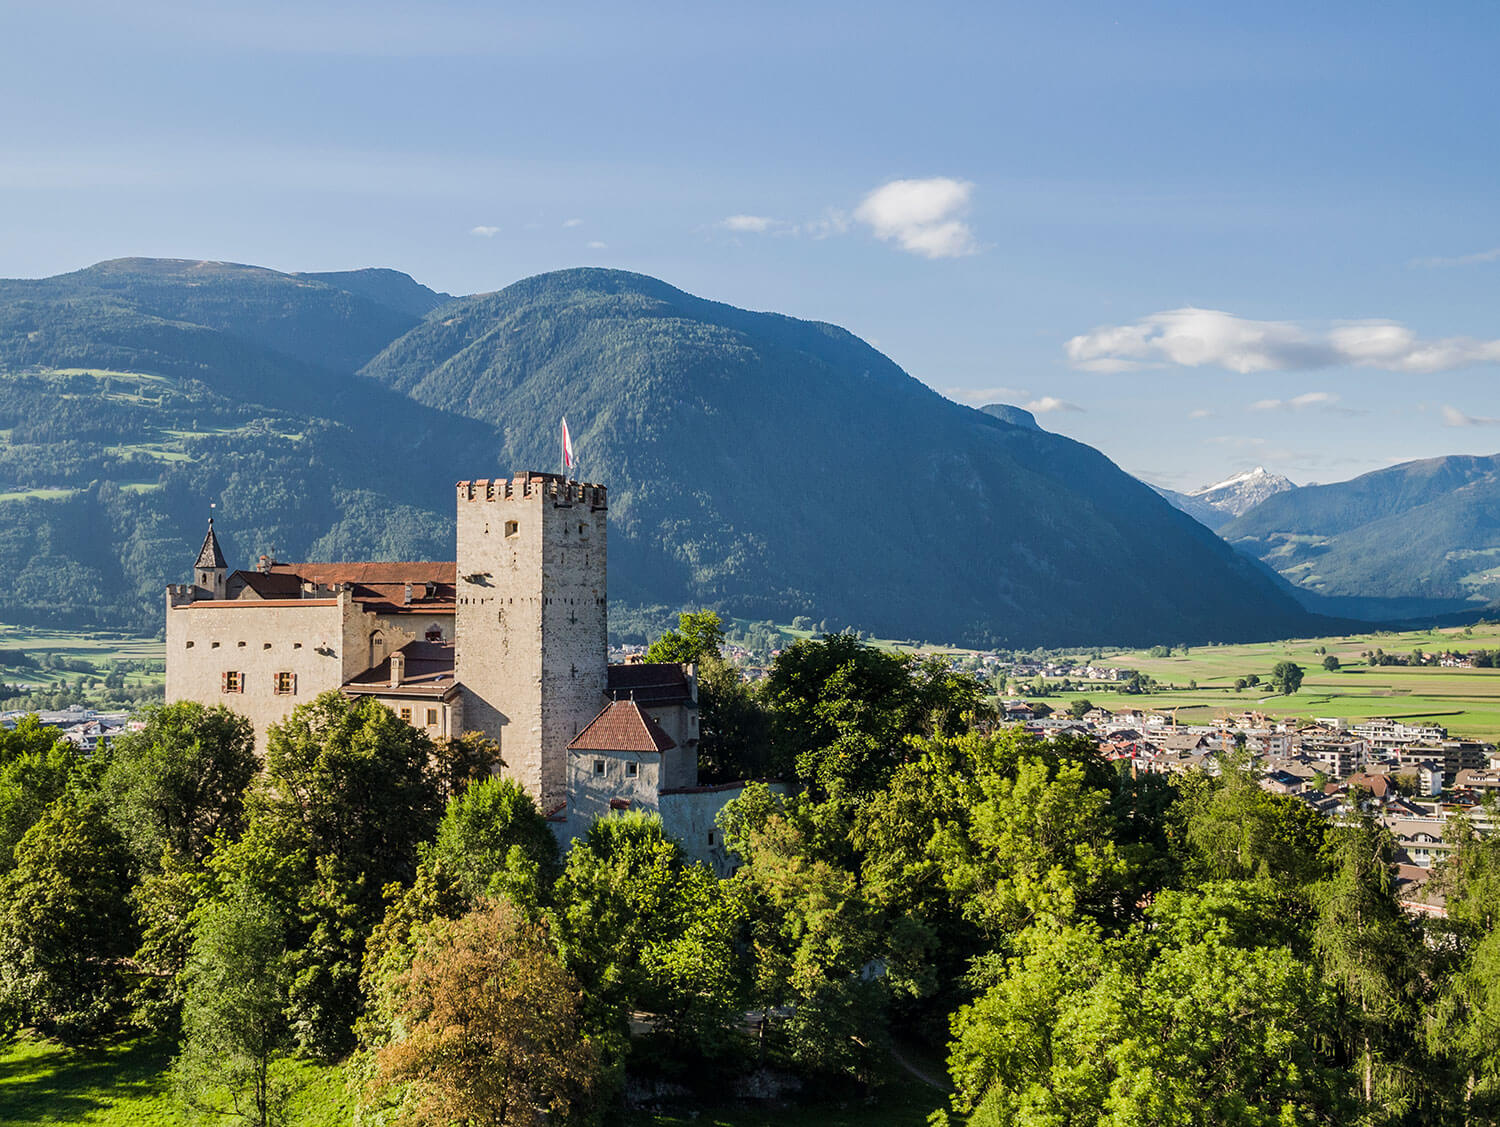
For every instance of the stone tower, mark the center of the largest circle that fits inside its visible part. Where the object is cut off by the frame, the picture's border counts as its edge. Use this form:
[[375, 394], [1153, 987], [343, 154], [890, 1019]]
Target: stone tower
[[211, 572], [531, 640]]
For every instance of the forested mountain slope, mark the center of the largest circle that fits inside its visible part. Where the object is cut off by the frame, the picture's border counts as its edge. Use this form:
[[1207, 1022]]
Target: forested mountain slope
[[1428, 529], [757, 463], [772, 465]]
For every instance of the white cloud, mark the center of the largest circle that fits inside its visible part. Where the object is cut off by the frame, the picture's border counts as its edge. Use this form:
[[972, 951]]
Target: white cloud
[[1492, 255], [1453, 417], [1324, 399], [1193, 338], [1201, 413], [750, 224], [1051, 403], [597, 245], [484, 232], [572, 223], [982, 396], [925, 217]]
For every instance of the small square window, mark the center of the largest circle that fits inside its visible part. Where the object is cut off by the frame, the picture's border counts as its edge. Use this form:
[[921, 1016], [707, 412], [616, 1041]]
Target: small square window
[[632, 770], [432, 717], [233, 683], [512, 527], [285, 684], [405, 714], [598, 766], [214, 645]]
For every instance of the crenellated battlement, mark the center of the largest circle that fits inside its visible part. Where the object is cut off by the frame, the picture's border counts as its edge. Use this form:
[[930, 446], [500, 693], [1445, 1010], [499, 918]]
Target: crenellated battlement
[[530, 484]]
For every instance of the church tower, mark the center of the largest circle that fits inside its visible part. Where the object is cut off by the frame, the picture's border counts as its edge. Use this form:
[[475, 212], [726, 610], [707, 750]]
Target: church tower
[[211, 572], [531, 639]]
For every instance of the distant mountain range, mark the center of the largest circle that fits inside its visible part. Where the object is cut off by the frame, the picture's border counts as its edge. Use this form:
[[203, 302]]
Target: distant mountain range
[[1423, 535], [757, 463], [1217, 504]]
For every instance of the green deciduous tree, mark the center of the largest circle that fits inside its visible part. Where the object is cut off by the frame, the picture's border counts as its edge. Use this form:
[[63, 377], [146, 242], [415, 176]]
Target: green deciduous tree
[[1190, 1018], [36, 767], [65, 922], [493, 840], [234, 1030], [698, 635], [645, 930], [841, 711], [1286, 677], [353, 783], [734, 729], [180, 781]]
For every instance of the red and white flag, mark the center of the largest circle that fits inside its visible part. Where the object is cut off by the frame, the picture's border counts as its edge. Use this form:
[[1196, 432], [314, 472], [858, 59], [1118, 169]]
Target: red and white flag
[[567, 446]]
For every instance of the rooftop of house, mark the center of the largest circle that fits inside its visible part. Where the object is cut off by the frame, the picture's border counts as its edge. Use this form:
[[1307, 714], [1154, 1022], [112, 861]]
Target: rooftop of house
[[622, 726], [656, 683], [409, 587], [428, 673]]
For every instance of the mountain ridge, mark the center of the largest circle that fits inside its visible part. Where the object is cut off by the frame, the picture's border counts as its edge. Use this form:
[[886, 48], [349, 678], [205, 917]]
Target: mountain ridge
[[763, 464]]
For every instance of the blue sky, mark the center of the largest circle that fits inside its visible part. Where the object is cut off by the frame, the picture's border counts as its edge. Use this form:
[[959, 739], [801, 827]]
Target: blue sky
[[1200, 237]]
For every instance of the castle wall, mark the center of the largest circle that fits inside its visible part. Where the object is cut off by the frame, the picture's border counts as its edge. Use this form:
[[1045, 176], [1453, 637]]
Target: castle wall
[[308, 638], [531, 625], [590, 791]]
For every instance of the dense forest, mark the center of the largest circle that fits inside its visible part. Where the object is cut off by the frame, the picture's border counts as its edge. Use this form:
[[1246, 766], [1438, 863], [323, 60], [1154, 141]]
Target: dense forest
[[1084, 946], [764, 465]]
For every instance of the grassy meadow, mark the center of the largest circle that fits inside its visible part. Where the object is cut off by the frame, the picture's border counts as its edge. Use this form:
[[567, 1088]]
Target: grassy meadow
[[129, 1085], [1465, 701]]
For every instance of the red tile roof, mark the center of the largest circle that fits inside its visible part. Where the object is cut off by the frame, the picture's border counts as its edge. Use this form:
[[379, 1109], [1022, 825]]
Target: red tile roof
[[381, 585], [622, 726]]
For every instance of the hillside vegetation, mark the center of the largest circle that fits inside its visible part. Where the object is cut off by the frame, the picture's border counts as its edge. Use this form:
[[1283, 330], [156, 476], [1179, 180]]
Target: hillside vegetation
[[1428, 529], [766, 466]]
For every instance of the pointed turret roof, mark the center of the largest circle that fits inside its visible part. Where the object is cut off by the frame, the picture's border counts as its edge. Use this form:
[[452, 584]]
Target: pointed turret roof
[[210, 555]]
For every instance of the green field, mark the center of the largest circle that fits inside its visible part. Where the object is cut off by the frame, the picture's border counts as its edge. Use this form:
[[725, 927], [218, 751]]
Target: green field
[[47, 649], [1465, 701], [128, 1085]]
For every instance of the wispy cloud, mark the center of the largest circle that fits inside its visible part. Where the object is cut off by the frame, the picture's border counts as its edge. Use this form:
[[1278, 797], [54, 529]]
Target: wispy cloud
[[1325, 400], [484, 232], [1200, 413], [1194, 338], [982, 396], [597, 245], [1492, 255], [572, 223], [1051, 403], [925, 217], [751, 224], [1453, 417]]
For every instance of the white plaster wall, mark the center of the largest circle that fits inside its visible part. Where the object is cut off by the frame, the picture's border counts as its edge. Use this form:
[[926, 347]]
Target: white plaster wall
[[257, 640]]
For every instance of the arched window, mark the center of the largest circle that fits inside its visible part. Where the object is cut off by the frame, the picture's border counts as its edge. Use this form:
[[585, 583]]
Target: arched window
[[377, 648]]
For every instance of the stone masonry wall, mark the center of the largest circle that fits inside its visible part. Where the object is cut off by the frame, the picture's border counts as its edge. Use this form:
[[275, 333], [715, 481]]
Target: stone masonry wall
[[530, 631]]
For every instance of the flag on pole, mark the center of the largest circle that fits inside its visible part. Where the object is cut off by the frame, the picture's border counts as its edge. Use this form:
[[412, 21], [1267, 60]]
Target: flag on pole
[[567, 443]]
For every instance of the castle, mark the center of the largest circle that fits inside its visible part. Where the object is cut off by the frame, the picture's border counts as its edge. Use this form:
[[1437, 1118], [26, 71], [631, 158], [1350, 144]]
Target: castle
[[510, 639]]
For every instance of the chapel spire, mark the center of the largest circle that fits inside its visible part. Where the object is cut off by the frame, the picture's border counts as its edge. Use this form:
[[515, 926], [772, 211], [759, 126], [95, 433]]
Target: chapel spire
[[211, 572]]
